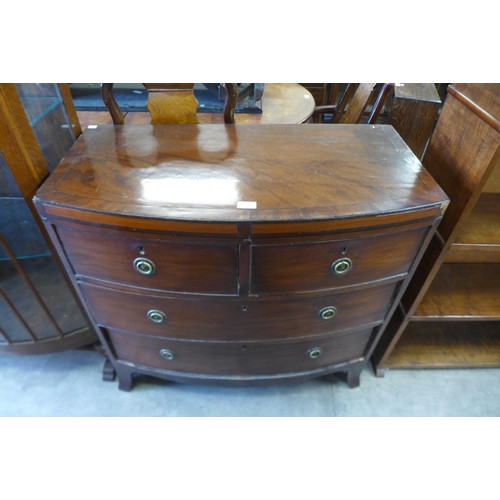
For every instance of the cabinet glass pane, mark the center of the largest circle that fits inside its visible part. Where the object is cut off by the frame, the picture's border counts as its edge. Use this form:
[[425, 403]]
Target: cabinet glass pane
[[20, 230], [21, 236], [8, 186], [25, 303], [48, 118]]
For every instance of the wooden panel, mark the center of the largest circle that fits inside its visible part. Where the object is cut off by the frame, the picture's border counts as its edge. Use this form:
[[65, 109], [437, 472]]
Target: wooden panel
[[302, 267], [464, 253], [178, 106], [461, 162], [447, 345], [493, 184], [462, 291], [183, 267], [70, 108], [414, 113], [483, 224], [479, 238], [237, 319], [236, 358]]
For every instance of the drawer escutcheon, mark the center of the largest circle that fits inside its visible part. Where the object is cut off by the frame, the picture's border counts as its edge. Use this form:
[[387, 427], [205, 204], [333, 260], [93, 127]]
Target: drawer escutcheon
[[341, 266], [157, 316], [144, 266]]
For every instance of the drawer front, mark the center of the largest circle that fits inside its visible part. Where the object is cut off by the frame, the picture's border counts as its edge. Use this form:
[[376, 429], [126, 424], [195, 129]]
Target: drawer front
[[237, 319], [181, 267], [236, 358], [318, 266]]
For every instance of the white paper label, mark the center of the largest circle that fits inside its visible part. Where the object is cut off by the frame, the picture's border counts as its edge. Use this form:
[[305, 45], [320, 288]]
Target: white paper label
[[246, 204]]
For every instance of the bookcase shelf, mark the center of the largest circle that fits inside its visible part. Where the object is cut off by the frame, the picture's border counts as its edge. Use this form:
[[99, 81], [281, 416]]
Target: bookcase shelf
[[449, 315]]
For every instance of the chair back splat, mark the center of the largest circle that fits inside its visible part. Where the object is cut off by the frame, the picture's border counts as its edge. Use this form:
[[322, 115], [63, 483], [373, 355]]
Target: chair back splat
[[170, 103], [356, 98]]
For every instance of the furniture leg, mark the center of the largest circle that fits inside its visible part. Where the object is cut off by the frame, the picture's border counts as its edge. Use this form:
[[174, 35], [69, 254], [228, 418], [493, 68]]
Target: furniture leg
[[124, 379], [353, 375], [108, 371]]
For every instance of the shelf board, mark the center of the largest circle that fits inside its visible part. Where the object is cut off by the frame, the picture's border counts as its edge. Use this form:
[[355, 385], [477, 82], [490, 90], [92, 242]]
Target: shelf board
[[479, 238], [447, 345], [483, 224], [462, 292]]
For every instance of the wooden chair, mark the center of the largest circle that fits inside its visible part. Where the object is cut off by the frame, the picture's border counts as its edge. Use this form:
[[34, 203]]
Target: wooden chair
[[170, 103], [358, 96]]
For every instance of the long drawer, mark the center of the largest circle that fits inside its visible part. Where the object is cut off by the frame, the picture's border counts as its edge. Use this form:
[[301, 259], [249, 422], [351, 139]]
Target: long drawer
[[238, 359], [153, 263], [237, 318], [283, 268]]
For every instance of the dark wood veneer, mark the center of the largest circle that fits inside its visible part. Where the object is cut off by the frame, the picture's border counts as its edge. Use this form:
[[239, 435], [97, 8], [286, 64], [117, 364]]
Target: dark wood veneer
[[243, 224]]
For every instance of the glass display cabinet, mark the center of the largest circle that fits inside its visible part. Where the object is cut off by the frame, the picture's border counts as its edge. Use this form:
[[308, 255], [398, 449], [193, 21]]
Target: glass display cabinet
[[38, 312]]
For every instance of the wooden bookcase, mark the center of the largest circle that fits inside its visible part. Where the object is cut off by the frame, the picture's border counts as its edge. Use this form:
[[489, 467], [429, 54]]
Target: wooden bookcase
[[449, 315]]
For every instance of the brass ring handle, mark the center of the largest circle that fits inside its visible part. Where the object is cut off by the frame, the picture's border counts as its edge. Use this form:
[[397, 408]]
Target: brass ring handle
[[167, 354], [157, 316], [341, 266], [327, 312], [314, 352], [144, 266]]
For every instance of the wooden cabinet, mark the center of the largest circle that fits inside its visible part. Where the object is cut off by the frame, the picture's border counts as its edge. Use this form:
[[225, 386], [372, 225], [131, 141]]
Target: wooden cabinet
[[240, 254], [449, 315], [38, 313]]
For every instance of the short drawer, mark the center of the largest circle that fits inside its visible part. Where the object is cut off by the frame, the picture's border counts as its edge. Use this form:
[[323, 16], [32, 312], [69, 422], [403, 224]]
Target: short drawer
[[317, 266], [236, 358], [155, 264], [237, 319]]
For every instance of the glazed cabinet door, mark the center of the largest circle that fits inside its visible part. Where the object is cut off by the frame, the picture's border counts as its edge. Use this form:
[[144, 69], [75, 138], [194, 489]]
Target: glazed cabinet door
[[38, 313]]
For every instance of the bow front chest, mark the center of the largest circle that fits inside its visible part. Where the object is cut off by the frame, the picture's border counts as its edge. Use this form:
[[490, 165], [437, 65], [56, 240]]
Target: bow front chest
[[236, 253]]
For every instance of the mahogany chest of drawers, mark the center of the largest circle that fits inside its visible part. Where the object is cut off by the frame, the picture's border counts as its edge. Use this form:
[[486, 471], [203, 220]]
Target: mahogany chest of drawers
[[240, 254]]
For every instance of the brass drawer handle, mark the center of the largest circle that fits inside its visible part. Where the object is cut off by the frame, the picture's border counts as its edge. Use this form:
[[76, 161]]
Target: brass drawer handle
[[327, 312], [167, 354], [314, 352], [144, 266], [341, 266], [157, 316]]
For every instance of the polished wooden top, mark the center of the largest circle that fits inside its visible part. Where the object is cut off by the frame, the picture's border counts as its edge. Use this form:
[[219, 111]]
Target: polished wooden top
[[221, 173]]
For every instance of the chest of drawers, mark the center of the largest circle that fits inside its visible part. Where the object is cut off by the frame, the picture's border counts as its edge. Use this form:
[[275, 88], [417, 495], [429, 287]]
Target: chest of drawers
[[240, 254]]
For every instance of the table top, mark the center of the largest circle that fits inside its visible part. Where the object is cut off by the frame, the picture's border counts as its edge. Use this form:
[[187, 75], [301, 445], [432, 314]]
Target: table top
[[240, 173], [281, 103]]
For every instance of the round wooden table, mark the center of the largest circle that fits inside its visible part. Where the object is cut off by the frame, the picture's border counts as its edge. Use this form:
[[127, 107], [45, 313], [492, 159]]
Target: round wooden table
[[281, 103]]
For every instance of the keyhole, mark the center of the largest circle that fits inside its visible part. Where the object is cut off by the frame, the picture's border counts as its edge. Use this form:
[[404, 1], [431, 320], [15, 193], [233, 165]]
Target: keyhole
[[141, 250], [344, 251], [244, 308]]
